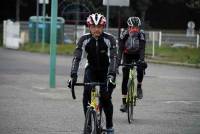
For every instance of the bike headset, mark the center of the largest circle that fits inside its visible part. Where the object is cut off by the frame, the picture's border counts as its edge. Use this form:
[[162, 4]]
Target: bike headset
[[133, 24], [96, 19]]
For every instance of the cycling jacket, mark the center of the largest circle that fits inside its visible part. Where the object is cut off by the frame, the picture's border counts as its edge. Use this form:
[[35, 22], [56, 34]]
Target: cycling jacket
[[101, 53], [122, 41]]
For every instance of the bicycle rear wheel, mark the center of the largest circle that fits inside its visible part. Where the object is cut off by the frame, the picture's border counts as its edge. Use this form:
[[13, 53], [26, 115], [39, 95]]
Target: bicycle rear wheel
[[130, 100], [90, 126]]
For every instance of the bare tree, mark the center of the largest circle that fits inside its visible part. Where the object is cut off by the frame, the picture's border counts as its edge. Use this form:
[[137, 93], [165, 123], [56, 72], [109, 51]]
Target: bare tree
[[17, 10], [143, 6], [19, 3]]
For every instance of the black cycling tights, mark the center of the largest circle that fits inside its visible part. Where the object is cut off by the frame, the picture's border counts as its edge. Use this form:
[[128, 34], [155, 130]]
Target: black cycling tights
[[105, 100], [125, 70]]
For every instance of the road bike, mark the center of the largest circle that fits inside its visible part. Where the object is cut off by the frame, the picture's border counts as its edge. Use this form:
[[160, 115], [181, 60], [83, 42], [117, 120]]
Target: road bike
[[95, 117], [132, 89]]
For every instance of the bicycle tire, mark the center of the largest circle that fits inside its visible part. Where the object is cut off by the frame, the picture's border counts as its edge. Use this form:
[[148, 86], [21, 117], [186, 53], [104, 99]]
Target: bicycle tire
[[130, 100], [90, 125], [101, 122]]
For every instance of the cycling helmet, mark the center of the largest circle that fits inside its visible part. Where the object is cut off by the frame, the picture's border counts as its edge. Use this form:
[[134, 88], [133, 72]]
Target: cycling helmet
[[134, 22], [96, 19]]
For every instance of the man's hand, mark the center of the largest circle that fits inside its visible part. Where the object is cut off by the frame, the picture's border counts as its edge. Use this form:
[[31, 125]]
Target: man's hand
[[110, 86], [111, 82], [72, 81], [69, 83], [142, 64], [74, 78]]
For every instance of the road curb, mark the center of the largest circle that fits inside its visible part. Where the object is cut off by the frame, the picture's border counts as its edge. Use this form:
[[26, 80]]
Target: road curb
[[173, 63]]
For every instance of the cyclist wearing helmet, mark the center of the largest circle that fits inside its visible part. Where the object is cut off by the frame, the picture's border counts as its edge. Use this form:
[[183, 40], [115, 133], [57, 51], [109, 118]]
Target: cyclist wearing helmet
[[100, 49], [132, 48]]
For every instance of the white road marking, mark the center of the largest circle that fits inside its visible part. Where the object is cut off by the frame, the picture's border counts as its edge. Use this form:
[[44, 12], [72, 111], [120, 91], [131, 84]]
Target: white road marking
[[175, 77], [185, 102]]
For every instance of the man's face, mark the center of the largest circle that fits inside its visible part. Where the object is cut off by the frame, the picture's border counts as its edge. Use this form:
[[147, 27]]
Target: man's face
[[133, 29], [96, 31]]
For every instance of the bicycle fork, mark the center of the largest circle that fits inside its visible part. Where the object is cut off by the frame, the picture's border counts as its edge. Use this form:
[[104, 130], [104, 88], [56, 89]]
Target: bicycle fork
[[133, 78], [95, 104]]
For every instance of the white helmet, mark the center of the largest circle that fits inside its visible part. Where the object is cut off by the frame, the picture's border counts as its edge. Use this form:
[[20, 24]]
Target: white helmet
[[96, 19], [134, 21]]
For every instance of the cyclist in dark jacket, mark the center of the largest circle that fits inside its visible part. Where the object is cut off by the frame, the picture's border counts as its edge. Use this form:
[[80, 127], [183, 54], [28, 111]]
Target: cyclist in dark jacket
[[100, 49], [132, 48]]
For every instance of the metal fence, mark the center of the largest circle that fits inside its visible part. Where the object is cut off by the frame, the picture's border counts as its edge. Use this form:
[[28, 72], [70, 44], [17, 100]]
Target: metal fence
[[152, 37], [172, 38]]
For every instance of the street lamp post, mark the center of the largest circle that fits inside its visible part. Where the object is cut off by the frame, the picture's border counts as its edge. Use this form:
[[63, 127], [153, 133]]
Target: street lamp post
[[53, 37], [107, 15], [37, 14], [44, 26]]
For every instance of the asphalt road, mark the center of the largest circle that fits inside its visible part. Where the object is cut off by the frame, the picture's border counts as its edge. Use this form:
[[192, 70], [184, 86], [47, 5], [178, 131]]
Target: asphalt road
[[171, 103]]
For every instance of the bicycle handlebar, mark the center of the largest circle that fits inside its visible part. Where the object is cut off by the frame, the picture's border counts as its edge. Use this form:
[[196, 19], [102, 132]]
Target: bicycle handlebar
[[89, 84], [129, 65], [84, 84]]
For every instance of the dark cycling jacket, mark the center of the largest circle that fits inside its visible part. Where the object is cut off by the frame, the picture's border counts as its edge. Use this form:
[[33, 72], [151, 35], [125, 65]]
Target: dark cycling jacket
[[101, 53], [142, 41]]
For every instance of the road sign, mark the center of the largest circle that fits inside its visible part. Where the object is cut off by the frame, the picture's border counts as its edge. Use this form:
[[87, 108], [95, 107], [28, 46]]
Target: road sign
[[191, 24], [116, 2], [190, 29]]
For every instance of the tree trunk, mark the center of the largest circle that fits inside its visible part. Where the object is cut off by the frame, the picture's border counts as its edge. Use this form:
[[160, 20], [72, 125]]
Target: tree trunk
[[18, 10], [143, 14]]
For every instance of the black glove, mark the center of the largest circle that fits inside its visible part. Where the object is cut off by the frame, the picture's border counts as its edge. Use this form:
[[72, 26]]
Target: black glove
[[72, 81], [110, 86], [111, 82], [74, 78], [142, 64], [69, 83]]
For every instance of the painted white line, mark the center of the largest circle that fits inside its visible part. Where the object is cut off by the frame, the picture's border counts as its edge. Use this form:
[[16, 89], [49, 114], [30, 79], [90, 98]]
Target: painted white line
[[174, 77], [184, 102]]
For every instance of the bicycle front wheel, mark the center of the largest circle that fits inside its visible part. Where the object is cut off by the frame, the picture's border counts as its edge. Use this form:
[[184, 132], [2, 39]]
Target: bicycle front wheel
[[130, 100], [101, 120], [90, 122]]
